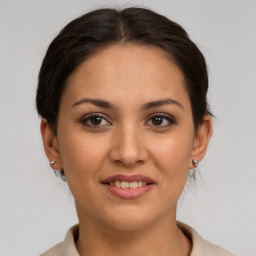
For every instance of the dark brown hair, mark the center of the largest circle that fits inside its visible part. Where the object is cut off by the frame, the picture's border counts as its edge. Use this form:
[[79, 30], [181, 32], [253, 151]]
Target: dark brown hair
[[88, 34]]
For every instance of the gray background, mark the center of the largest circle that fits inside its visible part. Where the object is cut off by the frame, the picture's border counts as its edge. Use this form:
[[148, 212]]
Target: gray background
[[37, 208]]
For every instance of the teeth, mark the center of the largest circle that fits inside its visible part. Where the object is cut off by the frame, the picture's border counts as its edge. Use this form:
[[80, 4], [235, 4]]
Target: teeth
[[126, 184], [133, 184], [118, 184]]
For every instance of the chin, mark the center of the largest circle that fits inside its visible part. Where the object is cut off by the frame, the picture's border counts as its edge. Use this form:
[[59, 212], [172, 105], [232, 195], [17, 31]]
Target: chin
[[129, 219]]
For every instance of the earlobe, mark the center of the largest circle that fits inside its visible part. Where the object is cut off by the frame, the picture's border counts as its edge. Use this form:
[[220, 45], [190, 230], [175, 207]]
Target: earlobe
[[201, 141], [50, 143]]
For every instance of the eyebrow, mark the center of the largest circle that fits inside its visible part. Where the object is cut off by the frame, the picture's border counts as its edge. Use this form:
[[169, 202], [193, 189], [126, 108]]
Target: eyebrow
[[97, 102], [146, 106], [159, 103]]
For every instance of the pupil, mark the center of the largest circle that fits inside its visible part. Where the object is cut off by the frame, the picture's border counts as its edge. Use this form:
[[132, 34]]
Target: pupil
[[157, 120], [96, 120]]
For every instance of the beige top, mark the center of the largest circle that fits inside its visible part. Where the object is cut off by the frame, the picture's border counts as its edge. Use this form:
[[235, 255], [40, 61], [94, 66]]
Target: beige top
[[200, 246]]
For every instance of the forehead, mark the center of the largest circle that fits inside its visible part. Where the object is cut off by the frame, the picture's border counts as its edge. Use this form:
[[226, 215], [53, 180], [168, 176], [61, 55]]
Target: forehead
[[136, 72]]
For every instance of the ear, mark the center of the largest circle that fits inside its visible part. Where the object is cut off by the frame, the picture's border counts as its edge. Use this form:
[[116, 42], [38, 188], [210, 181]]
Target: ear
[[201, 140], [51, 147]]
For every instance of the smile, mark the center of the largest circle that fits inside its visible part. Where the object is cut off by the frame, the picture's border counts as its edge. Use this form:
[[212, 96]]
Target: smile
[[126, 184], [128, 187]]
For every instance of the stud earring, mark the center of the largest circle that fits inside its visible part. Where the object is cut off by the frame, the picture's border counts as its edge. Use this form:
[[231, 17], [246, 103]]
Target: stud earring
[[52, 162], [195, 162]]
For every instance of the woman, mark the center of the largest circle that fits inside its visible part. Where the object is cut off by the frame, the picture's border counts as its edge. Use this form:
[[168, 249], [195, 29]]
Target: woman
[[122, 96]]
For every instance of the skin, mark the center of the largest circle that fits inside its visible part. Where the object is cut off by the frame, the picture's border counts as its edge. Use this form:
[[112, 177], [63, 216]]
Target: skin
[[127, 140]]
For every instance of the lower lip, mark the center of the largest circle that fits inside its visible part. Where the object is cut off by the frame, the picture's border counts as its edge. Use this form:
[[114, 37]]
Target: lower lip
[[129, 193]]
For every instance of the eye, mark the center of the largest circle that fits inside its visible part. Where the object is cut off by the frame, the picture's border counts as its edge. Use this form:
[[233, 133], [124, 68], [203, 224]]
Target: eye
[[161, 120], [94, 120]]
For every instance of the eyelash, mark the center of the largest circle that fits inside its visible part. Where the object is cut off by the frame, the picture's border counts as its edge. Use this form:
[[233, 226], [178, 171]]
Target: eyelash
[[170, 119]]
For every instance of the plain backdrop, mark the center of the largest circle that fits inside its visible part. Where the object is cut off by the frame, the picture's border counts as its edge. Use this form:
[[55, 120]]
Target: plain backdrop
[[37, 208]]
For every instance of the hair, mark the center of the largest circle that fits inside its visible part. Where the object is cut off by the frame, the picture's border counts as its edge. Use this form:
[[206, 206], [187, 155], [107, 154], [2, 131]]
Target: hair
[[88, 34]]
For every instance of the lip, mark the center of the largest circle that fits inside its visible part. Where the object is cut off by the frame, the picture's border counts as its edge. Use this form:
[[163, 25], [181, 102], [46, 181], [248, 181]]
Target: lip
[[129, 178], [128, 193]]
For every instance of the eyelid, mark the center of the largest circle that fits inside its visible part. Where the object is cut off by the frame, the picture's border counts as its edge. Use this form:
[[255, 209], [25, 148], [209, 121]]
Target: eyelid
[[87, 117], [168, 117]]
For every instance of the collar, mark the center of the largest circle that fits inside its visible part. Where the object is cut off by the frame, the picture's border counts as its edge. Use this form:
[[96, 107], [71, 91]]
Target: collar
[[199, 245]]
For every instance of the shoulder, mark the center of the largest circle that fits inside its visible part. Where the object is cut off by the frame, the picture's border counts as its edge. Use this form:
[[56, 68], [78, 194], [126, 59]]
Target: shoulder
[[56, 250], [201, 246], [66, 247]]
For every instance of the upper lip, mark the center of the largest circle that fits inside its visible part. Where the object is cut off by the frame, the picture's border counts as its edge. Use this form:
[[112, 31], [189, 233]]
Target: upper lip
[[130, 178]]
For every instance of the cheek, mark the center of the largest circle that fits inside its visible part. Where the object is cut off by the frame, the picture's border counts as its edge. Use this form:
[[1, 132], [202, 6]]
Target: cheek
[[172, 158], [81, 155], [172, 153]]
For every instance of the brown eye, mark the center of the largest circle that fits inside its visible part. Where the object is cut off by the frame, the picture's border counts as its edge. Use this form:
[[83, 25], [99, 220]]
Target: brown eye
[[95, 120], [157, 120], [161, 120]]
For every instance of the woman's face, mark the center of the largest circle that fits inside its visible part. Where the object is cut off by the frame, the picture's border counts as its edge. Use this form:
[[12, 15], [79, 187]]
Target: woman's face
[[126, 111]]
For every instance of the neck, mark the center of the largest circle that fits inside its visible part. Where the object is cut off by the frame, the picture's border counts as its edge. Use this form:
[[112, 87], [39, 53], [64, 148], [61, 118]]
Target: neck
[[159, 239]]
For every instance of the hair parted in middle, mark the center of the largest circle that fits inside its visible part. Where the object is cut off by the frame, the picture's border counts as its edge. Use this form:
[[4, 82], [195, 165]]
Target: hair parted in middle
[[88, 34]]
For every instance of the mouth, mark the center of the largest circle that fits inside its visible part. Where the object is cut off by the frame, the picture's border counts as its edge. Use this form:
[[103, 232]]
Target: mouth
[[128, 186]]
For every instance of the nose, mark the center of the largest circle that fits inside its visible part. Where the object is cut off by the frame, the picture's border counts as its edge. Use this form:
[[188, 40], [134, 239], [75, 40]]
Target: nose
[[128, 148]]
